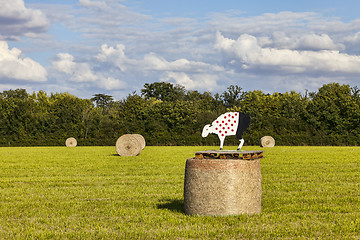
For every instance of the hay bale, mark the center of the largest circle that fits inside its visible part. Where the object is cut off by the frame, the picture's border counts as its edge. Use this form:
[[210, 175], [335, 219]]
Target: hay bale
[[141, 139], [71, 142], [222, 187], [267, 141], [128, 145]]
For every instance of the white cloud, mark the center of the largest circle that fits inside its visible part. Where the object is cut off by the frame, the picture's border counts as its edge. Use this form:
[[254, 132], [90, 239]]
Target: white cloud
[[16, 20], [115, 55], [84, 74], [353, 38], [263, 24], [251, 55], [78, 72], [64, 63], [352, 42], [111, 83], [317, 42], [106, 19], [304, 41], [191, 74], [154, 62], [195, 81], [298, 48], [14, 66], [151, 61], [96, 4]]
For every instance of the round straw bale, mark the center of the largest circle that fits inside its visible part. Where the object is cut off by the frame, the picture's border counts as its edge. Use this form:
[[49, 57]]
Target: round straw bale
[[267, 141], [128, 145], [219, 187], [71, 142], [141, 140]]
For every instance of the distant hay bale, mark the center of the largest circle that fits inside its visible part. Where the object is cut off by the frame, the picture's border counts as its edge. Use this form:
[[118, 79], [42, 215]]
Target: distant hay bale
[[71, 142], [267, 141], [141, 139], [222, 187], [128, 145]]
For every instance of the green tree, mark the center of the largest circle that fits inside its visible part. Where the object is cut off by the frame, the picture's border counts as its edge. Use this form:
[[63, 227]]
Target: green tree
[[334, 112], [15, 116], [163, 91], [169, 123], [205, 102], [102, 100], [129, 113], [169, 115], [67, 116], [233, 96]]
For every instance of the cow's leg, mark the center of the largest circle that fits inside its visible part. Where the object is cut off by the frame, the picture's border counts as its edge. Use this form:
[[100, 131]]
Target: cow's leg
[[221, 142], [241, 144]]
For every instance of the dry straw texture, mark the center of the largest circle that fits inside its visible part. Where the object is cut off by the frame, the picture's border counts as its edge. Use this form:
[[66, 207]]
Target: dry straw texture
[[71, 142], [141, 139], [267, 141], [222, 187], [128, 145]]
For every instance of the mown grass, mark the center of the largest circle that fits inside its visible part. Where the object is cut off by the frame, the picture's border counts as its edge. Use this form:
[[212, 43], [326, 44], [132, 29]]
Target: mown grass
[[92, 193]]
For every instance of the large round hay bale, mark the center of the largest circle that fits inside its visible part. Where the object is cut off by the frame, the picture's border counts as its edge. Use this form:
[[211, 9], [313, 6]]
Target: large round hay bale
[[128, 145], [222, 187], [267, 141], [141, 139], [71, 142]]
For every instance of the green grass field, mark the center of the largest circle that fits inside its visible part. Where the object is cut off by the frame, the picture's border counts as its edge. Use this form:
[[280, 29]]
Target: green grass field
[[92, 193]]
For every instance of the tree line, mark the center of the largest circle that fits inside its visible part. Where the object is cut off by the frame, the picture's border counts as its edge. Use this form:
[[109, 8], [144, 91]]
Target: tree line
[[168, 114]]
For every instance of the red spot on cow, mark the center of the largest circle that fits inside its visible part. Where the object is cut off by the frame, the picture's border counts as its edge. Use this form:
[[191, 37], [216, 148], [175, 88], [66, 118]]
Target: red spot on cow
[[222, 121], [225, 131], [220, 131], [222, 134], [223, 128], [216, 129], [224, 117], [225, 124]]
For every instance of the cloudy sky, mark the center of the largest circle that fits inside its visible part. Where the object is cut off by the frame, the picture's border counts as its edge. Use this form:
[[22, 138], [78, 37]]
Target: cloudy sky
[[86, 47]]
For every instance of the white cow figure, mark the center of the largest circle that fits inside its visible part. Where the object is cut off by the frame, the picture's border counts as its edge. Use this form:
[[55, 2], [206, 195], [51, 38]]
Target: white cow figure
[[228, 124]]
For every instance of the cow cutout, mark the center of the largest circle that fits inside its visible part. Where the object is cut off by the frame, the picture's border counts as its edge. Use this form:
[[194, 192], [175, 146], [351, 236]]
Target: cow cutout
[[228, 124]]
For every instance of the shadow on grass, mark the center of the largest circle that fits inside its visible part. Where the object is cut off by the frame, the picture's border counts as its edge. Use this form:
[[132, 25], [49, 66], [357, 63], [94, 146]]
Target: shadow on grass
[[172, 205]]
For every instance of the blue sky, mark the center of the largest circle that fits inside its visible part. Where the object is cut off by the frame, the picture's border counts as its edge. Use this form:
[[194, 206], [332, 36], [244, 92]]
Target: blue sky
[[346, 9], [86, 47]]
